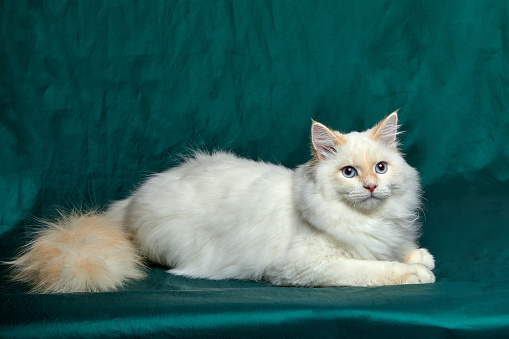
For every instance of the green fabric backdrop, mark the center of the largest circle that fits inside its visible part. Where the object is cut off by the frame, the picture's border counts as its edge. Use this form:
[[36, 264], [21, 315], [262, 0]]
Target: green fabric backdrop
[[96, 95]]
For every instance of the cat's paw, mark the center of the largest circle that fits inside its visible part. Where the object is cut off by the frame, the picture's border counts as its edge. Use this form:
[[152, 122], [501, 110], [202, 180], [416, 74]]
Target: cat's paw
[[412, 274], [418, 274], [420, 256]]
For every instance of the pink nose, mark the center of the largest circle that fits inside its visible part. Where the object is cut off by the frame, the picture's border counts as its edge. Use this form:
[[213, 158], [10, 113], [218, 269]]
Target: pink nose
[[371, 188]]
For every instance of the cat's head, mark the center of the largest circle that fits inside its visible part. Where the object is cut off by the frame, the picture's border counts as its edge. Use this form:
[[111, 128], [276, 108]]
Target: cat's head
[[363, 169]]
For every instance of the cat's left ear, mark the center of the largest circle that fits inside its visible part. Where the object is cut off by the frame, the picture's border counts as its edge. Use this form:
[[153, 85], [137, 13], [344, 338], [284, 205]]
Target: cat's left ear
[[387, 130]]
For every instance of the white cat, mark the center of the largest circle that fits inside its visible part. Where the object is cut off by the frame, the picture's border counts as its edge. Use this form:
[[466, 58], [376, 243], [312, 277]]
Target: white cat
[[348, 217]]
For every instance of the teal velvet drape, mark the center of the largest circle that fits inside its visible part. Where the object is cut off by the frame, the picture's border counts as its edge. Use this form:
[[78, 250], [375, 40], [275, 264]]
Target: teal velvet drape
[[96, 95]]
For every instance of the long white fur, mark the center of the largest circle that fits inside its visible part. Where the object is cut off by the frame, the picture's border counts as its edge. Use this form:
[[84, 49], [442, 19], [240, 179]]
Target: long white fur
[[222, 217]]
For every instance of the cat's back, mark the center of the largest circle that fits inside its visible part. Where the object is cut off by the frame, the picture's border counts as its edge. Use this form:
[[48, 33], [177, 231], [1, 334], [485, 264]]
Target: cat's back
[[222, 168], [215, 182]]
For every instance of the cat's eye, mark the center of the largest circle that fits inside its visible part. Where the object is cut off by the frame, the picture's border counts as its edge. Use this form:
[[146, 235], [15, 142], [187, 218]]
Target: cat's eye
[[381, 167], [349, 172]]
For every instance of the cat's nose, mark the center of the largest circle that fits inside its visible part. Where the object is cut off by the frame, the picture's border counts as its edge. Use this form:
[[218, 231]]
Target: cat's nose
[[370, 187]]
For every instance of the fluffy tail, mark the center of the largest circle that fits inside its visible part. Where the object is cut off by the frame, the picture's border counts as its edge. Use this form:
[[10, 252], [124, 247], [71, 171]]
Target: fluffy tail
[[78, 253]]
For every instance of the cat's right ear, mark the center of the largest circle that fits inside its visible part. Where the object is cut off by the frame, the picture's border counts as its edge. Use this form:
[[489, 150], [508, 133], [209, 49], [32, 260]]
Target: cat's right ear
[[324, 140]]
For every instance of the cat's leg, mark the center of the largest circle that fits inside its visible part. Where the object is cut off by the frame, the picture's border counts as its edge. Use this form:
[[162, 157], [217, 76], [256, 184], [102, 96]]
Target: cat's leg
[[378, 273], [327, 271], [420, 256]]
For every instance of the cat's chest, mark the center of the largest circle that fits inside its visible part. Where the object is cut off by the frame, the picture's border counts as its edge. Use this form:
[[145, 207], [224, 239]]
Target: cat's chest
[[364, 224], [369, 238]]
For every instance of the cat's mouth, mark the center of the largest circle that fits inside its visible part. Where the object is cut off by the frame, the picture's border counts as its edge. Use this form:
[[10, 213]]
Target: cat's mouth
[[371, 196], [371, 199], [367, 200]]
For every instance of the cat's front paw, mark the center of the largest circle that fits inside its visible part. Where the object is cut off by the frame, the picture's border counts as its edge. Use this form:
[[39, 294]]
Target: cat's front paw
[[403, 274], [420, 256], [417, 274]]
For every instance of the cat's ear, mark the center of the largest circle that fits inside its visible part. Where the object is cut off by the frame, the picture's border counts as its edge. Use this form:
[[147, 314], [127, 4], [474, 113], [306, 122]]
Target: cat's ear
[[387, 130], [324, 140]]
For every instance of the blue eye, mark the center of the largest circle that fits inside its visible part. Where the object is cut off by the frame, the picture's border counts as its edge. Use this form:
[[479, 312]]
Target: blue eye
[[381, 167], [349, 172]]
